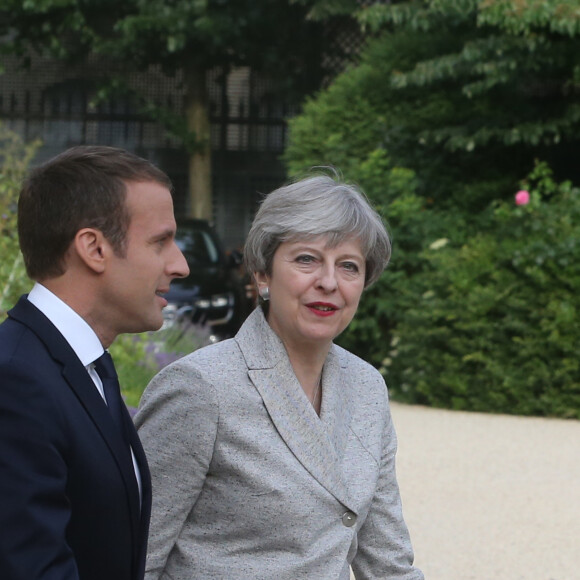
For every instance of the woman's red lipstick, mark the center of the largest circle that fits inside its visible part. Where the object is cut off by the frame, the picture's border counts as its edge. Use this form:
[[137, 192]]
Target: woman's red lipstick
[[322, 308]]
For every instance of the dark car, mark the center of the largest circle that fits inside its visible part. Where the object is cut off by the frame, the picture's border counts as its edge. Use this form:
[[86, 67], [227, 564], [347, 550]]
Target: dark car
[[216, 294]]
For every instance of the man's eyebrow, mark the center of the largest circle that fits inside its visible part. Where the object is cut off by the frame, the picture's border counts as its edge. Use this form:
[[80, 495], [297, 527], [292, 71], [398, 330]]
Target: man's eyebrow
[[167, 233]]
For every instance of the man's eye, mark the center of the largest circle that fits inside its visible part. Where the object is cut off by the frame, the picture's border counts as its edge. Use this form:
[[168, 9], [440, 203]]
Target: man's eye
[[161, 242]]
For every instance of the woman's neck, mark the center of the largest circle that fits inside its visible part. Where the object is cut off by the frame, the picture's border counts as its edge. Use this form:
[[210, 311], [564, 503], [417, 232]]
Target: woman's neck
[[307, 365]]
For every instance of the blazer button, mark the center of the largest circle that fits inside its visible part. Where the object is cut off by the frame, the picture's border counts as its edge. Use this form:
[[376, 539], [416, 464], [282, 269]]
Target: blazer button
[[349, 519]]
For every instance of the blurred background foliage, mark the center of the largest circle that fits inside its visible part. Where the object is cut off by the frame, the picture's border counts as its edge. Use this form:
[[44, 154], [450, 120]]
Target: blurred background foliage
[[189, 37], [137, 357], [451, 108], [15, 157], [493, 324]]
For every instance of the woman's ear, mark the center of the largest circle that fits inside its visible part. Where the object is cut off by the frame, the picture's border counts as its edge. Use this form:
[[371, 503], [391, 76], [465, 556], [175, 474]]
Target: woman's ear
[[92, 248], [261, 279], [263, 283]]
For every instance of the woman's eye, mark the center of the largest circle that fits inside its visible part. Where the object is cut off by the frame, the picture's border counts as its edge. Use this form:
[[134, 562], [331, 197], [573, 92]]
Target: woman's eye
[[350, 267], [305, 259]]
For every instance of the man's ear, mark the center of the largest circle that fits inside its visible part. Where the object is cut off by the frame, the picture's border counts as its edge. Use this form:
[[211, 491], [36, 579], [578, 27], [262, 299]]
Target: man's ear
[[92, 248]]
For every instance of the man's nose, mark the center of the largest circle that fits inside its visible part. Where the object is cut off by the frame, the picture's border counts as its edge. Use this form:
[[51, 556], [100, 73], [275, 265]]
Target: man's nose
[[179, 267]]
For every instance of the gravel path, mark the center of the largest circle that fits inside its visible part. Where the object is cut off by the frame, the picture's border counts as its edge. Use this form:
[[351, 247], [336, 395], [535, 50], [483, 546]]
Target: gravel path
[[490, 497]]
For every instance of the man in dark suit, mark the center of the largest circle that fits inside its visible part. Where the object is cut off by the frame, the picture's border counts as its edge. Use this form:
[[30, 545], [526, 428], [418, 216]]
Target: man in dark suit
[[96, 230]]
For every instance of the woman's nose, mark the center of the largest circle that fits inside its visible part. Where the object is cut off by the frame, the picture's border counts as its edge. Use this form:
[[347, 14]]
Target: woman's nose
[[327, 280]]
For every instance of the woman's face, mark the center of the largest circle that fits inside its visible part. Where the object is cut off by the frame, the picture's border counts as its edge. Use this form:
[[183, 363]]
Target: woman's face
[[314, 289]]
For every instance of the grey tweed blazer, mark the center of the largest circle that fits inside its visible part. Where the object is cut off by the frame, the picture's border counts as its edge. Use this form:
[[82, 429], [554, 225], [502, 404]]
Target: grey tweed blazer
[[250, 483]]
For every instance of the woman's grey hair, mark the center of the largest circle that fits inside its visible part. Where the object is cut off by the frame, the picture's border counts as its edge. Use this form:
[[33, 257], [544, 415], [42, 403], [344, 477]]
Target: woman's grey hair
[[317, 206]]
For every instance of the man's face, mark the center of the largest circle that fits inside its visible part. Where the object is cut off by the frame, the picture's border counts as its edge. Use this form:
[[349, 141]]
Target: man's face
[[135, 283]]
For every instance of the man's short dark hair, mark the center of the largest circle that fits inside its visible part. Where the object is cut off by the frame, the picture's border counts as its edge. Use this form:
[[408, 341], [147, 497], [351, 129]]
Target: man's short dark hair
[[84, 187]]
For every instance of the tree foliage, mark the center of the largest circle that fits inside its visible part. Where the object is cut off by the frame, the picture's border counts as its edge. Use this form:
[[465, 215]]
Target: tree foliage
[[449, 105], [189, 36], [557, 16], [522, 55], [458, 94], [174, 35], [15, 157]]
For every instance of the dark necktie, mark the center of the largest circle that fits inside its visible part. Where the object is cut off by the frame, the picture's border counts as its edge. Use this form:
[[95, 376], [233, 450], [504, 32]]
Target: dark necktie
[[106, 370]]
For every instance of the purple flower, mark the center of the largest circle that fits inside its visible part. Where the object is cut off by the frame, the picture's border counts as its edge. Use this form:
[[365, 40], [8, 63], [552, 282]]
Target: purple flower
[[164, 358]]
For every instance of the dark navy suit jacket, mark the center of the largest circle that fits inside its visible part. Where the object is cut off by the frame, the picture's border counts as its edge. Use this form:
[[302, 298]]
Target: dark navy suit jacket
[[69, 501]]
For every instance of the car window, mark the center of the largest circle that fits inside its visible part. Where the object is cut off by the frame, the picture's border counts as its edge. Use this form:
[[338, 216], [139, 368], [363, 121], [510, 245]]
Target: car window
[[197, 246]]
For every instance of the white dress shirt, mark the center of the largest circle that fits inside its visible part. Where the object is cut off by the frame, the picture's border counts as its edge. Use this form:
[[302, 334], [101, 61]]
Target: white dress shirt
[[79, 334]]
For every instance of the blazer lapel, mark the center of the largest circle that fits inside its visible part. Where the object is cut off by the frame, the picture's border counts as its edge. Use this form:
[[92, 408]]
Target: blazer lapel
[[315, 441], [336, 407], [76, 376], [144, 515]]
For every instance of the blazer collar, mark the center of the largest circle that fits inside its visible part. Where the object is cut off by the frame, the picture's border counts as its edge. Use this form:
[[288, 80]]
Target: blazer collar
[[317, 442], [78, 379]]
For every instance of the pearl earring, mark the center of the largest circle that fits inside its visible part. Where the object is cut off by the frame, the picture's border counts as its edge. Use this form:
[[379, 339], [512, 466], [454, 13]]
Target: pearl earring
[[265, 293]]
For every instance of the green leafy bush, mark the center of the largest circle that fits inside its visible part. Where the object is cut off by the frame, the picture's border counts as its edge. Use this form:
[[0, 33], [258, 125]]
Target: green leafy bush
[[15, 157], [138, 357], [365, 109], [413, 224], [495, 321]]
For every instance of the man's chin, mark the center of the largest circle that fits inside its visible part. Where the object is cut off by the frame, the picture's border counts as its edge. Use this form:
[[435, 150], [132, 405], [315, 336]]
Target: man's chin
[[150, 326], [156, 325]]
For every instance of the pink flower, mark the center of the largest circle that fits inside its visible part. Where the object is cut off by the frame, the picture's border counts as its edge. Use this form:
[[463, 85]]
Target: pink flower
[[522, 197]]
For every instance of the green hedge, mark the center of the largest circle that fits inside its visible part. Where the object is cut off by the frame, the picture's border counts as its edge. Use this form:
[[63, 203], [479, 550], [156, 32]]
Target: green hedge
[[495, 321]]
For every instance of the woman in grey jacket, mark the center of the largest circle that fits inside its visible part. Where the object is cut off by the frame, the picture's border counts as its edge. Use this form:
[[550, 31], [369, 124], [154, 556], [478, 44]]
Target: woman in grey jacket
[[272, 454]]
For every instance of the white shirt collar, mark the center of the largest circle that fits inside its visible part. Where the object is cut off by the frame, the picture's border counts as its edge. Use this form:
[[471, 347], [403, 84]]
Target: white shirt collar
[[76, 331]]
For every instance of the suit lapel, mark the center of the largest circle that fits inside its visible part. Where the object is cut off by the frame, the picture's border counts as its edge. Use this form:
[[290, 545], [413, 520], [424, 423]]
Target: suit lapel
[[79, 381], [317, 442], [77, 378]]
